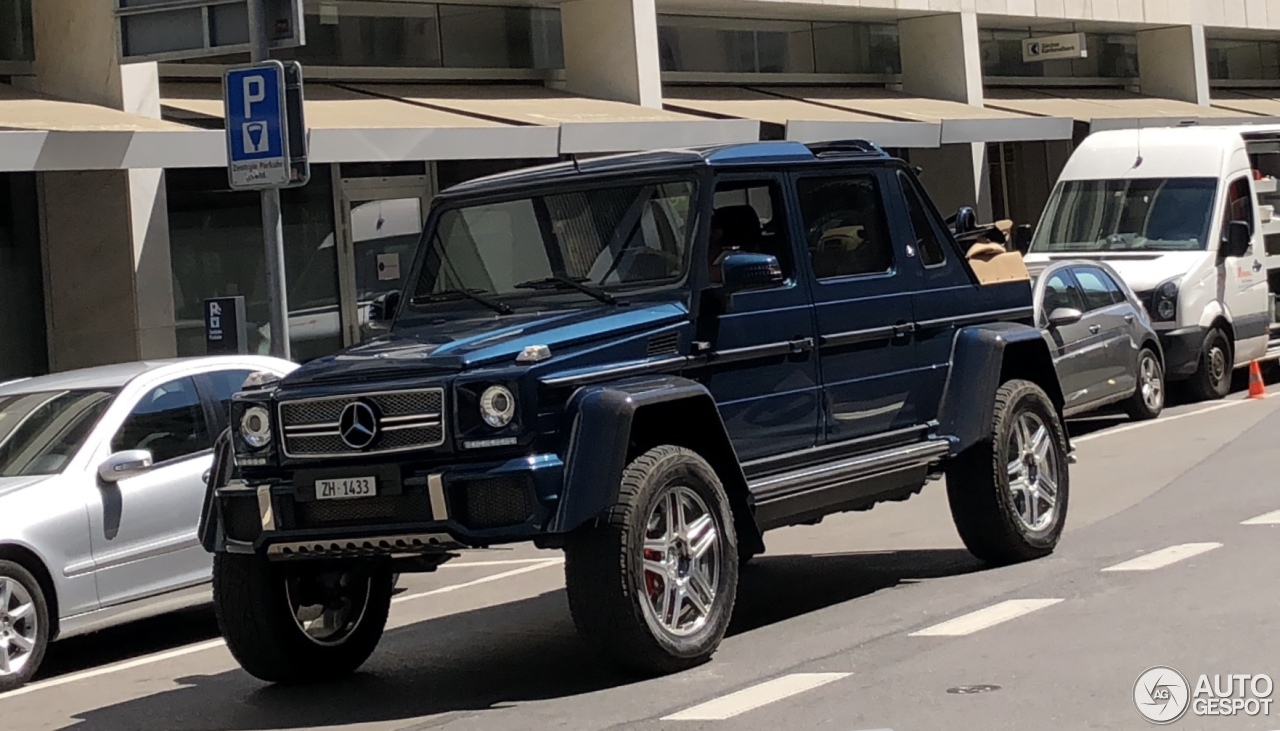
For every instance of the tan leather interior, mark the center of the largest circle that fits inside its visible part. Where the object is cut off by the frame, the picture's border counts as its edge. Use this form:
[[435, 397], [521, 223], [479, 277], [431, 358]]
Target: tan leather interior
[[992, 263]]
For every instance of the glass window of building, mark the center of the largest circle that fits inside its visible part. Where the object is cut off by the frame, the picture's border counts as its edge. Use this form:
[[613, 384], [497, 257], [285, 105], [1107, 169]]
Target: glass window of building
[[405, 34], [22, 311], [1111, 56], [739, 45], [15, 31], [1243, 60], [215, 238]]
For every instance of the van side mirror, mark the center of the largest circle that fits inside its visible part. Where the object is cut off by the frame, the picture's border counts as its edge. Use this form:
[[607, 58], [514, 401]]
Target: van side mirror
[[123, 465], [1237, 240], [1065, 316], [383, 309], [743, 271]]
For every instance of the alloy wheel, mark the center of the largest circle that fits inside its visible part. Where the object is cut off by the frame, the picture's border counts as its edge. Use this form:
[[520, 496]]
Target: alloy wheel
[[1152, 386], [1033, 472], [19, 626], [682, 556], [328, 615]]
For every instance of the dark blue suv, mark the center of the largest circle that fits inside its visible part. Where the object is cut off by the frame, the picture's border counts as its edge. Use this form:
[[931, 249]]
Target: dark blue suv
[[647, 361]]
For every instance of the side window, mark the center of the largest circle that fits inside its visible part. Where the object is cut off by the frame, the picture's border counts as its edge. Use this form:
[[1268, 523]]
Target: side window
[[846, 226], [225, 384], [169, 421], [1098, 290], [930, 247], [749, 217], [1060, 291]]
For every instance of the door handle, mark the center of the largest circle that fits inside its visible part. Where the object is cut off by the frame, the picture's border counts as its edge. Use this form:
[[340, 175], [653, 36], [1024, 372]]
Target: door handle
[[801, 345], [903, 329], [1128, 319], [1094, 329], [206, 475]]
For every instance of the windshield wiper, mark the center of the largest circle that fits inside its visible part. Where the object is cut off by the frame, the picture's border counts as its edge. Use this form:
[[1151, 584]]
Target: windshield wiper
[[475, 294], [557, 280]]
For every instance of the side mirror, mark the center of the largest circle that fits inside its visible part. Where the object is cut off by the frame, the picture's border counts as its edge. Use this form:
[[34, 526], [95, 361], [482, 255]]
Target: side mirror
[[1064, 316], [750, 271], [383, 309], [1238, 239], [123, 465]]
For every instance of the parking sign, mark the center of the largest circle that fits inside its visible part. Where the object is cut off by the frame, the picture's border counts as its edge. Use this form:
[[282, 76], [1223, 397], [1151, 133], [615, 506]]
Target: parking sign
[[257, 136]]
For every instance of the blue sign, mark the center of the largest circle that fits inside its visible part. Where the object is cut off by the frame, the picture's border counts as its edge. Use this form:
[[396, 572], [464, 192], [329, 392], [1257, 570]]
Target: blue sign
[[257, 132]]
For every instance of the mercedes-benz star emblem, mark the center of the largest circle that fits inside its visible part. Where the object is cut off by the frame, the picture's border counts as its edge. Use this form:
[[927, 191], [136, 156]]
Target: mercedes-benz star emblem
[[358, 425]]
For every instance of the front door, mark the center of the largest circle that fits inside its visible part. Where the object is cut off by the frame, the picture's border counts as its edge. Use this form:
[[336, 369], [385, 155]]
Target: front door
[[1244, 278], [1079, 351], [143, 529], [382, 219]]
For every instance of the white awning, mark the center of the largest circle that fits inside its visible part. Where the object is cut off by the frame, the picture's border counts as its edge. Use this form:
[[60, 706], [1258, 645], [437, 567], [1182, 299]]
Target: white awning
[[959, 123], [39, 133], [1104, 109], [373, 122], [804, 121]]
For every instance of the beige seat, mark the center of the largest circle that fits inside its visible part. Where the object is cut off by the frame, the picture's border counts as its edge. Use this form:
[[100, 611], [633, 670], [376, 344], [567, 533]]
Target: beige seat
[[992, 263]]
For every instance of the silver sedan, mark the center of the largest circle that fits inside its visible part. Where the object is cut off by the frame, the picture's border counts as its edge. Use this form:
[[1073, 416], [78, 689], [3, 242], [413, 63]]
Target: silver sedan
[[1107, 352], [102, 476]]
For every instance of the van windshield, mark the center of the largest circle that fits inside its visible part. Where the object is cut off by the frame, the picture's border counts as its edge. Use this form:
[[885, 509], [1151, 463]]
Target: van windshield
[[1143, 214]]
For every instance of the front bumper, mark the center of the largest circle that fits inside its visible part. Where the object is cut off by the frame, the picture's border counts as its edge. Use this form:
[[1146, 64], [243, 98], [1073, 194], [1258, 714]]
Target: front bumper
[[416, 511], [1182, 351]]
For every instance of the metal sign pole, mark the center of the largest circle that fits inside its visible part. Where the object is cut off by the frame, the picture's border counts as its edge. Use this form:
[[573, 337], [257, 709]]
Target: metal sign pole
[[272, 220]]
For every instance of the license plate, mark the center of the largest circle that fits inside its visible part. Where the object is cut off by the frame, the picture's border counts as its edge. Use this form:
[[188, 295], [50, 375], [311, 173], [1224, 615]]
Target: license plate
[[346, 487]]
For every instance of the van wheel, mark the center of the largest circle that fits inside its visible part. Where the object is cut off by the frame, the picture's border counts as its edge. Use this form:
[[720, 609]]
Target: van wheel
[[1147, 400], [1212, 379], [1008, 493], [653, 584]]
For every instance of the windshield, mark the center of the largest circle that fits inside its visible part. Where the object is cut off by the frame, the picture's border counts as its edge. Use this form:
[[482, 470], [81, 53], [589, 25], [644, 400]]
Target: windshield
[[40, 432], [1150, 214], [618, 237]]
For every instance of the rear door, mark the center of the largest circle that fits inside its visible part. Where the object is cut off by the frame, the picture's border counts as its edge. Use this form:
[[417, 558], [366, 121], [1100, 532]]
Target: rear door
[[862, 294]]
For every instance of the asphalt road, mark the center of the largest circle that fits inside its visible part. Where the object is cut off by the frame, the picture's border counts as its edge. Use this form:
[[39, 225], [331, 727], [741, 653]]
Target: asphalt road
[[876, 620]]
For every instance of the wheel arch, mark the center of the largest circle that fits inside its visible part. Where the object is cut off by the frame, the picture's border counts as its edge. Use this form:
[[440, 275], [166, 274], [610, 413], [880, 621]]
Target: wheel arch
[[31, 561], [608, 425], [984, 357]]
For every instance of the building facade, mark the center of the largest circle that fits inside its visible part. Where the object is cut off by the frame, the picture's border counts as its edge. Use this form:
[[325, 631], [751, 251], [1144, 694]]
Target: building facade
[[117, 223]]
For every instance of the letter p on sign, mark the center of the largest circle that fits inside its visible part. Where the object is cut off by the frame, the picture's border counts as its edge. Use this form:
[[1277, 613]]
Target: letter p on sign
[[255, 90]]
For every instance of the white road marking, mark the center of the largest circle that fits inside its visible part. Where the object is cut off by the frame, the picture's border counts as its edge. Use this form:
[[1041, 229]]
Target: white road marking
[[733, 704], [1272, 518], [212, 644], [483, 580], [1164, 557], [1157, 421], [115, 668], [983, 618], [498, 562]]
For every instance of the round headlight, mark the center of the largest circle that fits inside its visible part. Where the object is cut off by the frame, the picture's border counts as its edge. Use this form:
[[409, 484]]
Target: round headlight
[[497, 406], [1168, 290], [255, 427], [1165, 310]]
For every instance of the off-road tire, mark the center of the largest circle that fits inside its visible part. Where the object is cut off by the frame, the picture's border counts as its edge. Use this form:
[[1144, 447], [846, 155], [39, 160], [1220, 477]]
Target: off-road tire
[[981, 502], [14, 571], [255, 619], [1202, 384], [604, 572], [1136, 407]]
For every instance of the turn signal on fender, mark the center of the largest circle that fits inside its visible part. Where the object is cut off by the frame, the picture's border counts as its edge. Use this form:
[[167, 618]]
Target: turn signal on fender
[[1257, 389]]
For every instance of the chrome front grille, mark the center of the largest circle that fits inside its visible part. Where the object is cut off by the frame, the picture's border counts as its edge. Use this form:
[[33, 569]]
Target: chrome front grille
[[406, 420]]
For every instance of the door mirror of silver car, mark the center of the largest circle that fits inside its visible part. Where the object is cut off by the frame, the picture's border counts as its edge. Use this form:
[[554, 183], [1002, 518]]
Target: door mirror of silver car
[[123, 465], [1064, 316]]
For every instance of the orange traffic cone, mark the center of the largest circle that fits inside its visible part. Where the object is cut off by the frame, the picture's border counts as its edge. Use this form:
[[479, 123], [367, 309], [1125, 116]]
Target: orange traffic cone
[[1257, 389]]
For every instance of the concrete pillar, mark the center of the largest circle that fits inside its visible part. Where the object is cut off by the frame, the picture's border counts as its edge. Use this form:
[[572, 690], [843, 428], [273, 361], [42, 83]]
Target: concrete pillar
[[941, 59], [1173, 63], [106, 233], [611, 50]]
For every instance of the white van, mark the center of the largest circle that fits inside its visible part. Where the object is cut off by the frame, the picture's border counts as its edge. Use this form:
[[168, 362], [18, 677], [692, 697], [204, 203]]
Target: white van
[[1176, 212]]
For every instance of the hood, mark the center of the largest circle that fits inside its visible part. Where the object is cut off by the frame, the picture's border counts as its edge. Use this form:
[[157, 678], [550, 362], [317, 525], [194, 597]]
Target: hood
[[425, 346], [1143, 271], [13, 484]]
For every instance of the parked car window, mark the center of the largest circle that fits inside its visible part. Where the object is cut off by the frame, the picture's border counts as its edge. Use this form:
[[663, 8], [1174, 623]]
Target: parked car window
[[930, 246], [749, 217], [41, 431], [169, 421], [225, 384], [1060, 292], [1098, 289], [844, 220]]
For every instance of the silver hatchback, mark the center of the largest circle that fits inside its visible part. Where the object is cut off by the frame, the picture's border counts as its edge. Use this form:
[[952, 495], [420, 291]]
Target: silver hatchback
[[102, 477]]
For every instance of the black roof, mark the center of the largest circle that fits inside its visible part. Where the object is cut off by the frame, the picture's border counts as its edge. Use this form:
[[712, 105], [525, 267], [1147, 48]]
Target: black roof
[[747, 153]]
